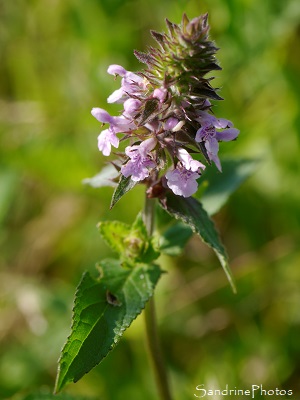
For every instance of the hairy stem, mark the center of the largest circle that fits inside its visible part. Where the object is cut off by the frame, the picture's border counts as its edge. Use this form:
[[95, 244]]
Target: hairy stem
[[151, 324]]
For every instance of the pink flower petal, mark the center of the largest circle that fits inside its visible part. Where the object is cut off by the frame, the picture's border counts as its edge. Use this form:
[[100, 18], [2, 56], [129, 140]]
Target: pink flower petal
[[188, 162], [228, 134], [182, 182], [115, 69], [101, 115]]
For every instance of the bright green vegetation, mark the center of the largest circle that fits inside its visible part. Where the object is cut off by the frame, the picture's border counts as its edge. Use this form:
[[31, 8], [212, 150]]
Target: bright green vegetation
[[54, 56]]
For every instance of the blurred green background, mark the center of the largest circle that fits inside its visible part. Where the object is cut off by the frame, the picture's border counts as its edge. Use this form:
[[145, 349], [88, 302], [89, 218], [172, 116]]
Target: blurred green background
[[53, 60]]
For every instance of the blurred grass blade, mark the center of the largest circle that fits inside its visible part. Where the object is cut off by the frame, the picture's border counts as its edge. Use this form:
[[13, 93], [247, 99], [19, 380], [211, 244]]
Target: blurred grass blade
[[8, 189]]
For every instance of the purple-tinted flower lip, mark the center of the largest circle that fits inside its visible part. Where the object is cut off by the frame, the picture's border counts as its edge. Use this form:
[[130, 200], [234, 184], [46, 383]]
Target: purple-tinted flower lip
[[101, 115], [116, 69], [167, 116], [182, 182], [140, 160]]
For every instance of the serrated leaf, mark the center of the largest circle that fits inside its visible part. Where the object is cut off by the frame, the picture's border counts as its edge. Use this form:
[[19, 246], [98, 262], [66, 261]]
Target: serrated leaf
[[190, 211], [114, 233], [132, 243], [219, 186], [124, 185], [174, 239], [150, 249], [98, 324], [105, 178]]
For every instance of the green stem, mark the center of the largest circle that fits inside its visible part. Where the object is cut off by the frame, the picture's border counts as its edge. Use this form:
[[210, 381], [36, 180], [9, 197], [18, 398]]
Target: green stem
[[151, 323]]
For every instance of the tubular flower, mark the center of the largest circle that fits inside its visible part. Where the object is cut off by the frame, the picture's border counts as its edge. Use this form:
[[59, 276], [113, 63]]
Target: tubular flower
[[106, 139], [210, 136], [188, 162], [167, 111], [140, 160], [182, 181]]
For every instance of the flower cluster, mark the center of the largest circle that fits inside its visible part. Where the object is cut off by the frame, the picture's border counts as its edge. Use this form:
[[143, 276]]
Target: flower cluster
[[167, 113]]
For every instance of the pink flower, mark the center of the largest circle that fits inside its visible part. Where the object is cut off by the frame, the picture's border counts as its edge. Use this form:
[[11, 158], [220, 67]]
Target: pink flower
[[131, 107], [102, 115], [210, 136], [131, 84], [117, 124], [115, 69], [160, 94], [173, 124], [140, 160], [182, 182], [188, 162], [106, 139]]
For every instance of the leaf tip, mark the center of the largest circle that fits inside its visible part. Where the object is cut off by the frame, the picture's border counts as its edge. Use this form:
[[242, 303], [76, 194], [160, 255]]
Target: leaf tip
[[233, 287], [58, 385]]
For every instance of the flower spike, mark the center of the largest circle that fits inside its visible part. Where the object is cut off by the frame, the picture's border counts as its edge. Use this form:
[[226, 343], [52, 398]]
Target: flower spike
[[167, 109]]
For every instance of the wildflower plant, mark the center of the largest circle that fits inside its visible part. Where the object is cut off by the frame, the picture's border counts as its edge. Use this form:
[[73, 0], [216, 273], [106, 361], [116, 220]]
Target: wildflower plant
[[173, 139]]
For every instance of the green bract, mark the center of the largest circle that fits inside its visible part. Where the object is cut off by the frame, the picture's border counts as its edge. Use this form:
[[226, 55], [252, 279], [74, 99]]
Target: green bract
[[184, 58]]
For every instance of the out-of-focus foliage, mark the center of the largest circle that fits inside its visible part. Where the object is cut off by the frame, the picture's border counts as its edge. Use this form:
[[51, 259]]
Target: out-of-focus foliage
[[53, 60]]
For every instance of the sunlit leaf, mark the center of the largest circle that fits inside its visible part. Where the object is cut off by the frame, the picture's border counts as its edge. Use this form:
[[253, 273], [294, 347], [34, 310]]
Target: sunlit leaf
[[150, 248], [103, 309], [114, 233], [190, 211], [124, 185], [132, 243]]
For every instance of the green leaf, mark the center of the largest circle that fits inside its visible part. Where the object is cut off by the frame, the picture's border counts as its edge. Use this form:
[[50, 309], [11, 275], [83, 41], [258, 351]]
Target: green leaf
[[219, 186], [174, 239], [190, 211], [124, 185], [150, 248], [105, 177], [132, 243], [114, 234], [103, 309]]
